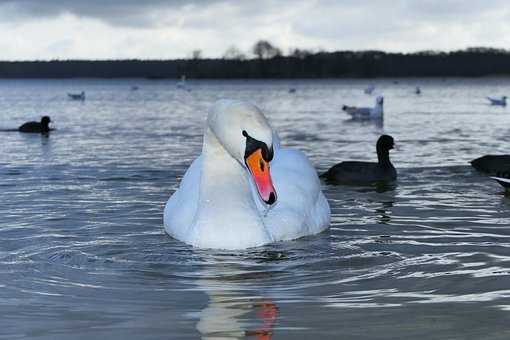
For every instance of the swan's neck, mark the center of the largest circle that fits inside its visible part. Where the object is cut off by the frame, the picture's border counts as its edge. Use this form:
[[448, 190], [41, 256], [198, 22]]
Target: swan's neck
[[227, 215], [225, 184]]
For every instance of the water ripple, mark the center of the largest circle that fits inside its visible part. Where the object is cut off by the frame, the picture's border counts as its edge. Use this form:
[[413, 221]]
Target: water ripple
[[83, 251]]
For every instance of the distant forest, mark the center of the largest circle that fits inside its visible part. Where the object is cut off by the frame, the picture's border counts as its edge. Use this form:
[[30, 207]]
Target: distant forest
[[268, 62]]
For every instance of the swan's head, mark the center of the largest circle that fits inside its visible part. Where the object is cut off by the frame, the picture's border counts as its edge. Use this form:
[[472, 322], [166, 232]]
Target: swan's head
[[245, 134], [379, 101]]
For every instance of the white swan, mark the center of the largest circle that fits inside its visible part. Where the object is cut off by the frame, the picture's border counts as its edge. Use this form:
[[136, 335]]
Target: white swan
[[230, 199], [497, 101], [366, 112]]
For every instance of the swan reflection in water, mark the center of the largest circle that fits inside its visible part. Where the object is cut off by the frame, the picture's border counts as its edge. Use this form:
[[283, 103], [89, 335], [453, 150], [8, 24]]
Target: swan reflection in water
[[233, 316], [234, 310]]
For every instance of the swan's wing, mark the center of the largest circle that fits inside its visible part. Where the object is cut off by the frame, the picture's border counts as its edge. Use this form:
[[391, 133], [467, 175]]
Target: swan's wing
[[181, 207], [301, 208]]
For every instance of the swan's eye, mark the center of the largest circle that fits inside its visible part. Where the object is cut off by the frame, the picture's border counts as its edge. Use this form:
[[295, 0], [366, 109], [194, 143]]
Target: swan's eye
[[261, 164], [252, 145], [268, 153]]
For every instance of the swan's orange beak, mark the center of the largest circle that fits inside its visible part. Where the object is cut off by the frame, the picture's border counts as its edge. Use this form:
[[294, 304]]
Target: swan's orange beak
[[259, 170]]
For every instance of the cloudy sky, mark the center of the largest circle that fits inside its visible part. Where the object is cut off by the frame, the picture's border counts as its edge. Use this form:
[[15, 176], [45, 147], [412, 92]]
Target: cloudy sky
[[156, 29]]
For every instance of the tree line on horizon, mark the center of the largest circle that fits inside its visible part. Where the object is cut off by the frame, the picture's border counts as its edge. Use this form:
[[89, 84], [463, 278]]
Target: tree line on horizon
[[269, 62]]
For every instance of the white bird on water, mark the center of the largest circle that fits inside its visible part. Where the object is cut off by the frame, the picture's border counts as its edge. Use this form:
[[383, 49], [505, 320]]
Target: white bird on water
[[182, 84], [369, 89], [497, 101], [366, 112], [229, 197], [77, 96]]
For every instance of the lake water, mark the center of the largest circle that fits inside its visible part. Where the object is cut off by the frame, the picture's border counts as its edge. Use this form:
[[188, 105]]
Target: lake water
[[83, 253]]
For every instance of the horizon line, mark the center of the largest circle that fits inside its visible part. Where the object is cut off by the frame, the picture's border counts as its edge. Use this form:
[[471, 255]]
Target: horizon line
[[481, 49]]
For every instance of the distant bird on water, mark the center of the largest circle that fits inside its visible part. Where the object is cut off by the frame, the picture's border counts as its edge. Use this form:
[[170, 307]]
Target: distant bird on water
[[366, 112], [353, 172], [417, 90], [77, 96], [497, 101], [369, 89], [36, 127], [182, 84]]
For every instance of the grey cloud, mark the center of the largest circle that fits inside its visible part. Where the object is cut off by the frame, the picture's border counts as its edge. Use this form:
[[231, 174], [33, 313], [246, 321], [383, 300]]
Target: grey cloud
[[162, 28], [348, 22], [369, 13], [116, 12]]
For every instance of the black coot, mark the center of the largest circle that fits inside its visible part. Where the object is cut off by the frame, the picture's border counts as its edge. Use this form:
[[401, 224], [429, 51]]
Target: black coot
[[366, 172], [496, 165], [36, 127]]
